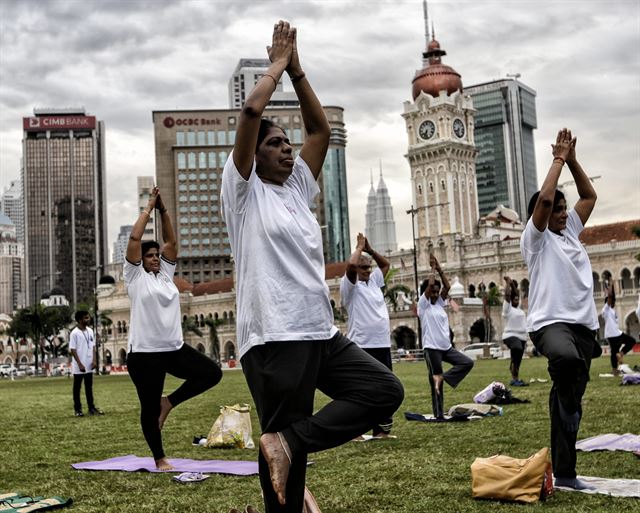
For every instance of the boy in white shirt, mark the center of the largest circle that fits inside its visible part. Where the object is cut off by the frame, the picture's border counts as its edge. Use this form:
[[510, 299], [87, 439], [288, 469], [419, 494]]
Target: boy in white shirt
[[82, 346], [514, 335]]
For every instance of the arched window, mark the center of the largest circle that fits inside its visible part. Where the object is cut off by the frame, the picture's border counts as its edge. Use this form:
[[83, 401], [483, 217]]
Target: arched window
[[119, 327], [430, 186], [419, 189], [636, 278], [201, 320], [216, 316], [224, 316], [124, 326], [442, 184], [626, 283], [597, 287]]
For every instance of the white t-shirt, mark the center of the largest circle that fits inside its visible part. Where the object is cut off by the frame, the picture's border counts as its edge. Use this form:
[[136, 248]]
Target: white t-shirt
[[515, 322], [434, 323], [611, 328], [277, 247], [84, 343], [561, 288], [156, 323], [368, 324]]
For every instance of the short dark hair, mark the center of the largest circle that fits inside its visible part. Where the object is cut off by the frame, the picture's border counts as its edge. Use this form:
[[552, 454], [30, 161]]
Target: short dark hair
[[534, 199], [425, 284], [80, 314], [147, 245]]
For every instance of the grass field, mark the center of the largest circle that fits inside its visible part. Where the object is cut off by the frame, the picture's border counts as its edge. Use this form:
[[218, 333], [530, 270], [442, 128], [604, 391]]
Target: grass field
[[425, 470]]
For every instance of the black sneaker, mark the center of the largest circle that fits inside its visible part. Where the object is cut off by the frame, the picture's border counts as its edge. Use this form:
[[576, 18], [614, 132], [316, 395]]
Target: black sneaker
[[78, 413], [96, 411]]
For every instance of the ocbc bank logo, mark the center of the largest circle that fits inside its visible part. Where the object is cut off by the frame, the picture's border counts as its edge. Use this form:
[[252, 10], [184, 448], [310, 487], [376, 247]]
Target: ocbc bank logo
[[169, 122]]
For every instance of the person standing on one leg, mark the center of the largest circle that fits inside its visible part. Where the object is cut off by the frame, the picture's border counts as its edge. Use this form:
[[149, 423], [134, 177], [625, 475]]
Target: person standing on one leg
[[82, 345], [435, 338], [562, 316], [620, 343], [156, 347], [368, 322], [288, 344], [514, 335]]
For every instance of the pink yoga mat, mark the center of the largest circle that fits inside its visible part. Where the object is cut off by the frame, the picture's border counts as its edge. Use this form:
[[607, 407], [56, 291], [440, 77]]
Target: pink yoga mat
[[132, 463]]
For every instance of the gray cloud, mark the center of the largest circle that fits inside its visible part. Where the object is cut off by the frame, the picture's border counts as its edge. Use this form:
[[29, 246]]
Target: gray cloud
[[123, 59]]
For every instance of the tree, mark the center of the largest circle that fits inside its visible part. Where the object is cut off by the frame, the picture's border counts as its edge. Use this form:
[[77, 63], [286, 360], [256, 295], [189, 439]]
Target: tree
[[38, 322], [214, 340], [190, 325], [391, 293]]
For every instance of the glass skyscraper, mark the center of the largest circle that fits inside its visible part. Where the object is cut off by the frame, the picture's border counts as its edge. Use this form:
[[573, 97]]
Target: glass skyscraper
[[504, 123], [63, 182]]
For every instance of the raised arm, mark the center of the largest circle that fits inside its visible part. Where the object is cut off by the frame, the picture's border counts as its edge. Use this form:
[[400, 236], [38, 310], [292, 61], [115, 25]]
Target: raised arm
[[587, 193], [544, 204], [280, 50], [315, 121], [507, 289], [134, 250], [354, 259], [435, 265], [170, 248], [611, 295], [380, 260]]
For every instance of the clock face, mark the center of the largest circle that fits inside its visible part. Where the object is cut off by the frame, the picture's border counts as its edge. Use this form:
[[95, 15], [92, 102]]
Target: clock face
[[427, 129], [458, 128]]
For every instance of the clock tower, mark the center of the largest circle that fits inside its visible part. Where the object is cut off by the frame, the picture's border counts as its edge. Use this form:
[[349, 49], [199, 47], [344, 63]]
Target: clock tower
[[441, 154]]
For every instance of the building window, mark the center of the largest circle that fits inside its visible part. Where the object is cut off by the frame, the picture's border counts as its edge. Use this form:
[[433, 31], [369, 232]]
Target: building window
[[193, 209], [191, 138], [182, 187], [222, 137], [195, 230], [192, 159], [183, 197], [182, 176], [202, 157], [180, 138], [204, 208], [430, 186], [182, 161], [192, 176], [193, 197], [297, 135], [211, 137], [232, 136], [419, 189], [203, 197], [212, 159], [201, 138], [223, 158], [193, 187], [444, 188], [184, 231]]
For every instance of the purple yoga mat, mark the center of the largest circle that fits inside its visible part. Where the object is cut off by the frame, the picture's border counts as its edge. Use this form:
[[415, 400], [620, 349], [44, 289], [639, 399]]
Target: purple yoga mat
[[132, 463], [610, 442]]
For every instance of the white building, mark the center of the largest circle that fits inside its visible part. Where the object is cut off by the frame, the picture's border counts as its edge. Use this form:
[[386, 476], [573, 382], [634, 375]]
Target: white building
[[145, 186], [246, 75], [120, 245]]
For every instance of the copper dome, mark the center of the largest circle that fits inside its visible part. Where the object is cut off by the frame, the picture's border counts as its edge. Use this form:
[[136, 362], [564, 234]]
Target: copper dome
[[436, 76]]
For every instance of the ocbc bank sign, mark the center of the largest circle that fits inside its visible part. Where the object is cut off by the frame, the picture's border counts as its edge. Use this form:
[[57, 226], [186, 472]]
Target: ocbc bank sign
[[170, 122]]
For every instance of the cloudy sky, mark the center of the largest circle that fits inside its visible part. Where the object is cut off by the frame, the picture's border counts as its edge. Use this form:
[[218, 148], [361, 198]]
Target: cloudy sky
[[123, 59]]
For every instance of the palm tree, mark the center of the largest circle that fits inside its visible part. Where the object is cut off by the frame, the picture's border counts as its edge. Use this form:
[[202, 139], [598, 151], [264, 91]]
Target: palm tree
[[190, 325], [391, 293]]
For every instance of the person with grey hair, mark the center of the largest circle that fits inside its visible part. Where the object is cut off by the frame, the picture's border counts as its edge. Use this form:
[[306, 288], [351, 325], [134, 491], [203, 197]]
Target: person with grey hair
[[368, 318]]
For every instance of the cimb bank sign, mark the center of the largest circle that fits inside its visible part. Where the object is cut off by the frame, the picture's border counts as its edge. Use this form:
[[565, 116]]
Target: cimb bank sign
[[41, 123]]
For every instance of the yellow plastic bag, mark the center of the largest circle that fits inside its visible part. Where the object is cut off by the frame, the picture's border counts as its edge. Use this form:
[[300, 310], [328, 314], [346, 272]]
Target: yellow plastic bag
[[509, 479], [232, 428]]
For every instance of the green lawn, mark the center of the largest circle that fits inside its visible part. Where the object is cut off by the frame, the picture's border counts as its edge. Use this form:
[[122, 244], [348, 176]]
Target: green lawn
[[425, 470]]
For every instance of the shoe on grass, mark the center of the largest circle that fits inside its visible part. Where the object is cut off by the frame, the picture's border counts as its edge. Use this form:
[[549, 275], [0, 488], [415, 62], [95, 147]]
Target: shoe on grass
[[78, 413], [96, 411]]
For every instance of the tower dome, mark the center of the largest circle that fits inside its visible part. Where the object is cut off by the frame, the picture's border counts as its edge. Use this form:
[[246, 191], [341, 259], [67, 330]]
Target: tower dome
[[435, 76]]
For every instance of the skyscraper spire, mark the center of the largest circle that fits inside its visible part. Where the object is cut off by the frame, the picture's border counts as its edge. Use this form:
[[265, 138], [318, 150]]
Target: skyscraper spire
[[380, 161]]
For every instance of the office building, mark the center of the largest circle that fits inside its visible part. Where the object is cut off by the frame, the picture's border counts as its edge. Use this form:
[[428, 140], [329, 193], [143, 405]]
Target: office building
[[63, 184], [120, 245], [145, 186], [246, 75], [191, 149], [11, 267], [11, 205], [504, 123]]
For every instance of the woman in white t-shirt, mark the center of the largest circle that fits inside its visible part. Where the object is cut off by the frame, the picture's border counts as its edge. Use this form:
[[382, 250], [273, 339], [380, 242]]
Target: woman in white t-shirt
[[562, 318], [288, 344], [514, 335], [436, 340], [156, 347], [619, 342]]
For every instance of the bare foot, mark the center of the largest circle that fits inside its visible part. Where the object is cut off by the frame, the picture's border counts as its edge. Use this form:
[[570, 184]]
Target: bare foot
[[275, 450], [165, 408], [163, 464]]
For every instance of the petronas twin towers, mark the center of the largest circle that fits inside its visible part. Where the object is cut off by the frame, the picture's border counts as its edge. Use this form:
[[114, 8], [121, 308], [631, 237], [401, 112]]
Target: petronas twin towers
[[380, 228]]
